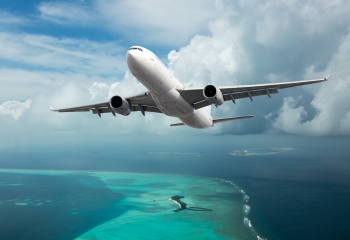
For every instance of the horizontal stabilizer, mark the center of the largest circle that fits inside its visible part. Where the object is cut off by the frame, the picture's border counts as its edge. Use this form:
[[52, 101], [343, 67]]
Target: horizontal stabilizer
[[177, 124], [219, 120], [231, 119]]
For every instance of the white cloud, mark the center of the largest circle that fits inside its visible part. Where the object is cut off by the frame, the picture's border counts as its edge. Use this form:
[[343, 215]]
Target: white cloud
[[99, 91], [152, 20], [14, 109], [67, 13], [24, 84], [331, 100], [278, 22], [77, 55], [128, 87], [332, 105], [215, 59], [166, 22], [7, 18]]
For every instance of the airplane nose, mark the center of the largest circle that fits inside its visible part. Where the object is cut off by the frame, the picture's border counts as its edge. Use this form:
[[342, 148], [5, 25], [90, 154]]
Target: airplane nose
[[133, 59], [130, 56], [135, 54]]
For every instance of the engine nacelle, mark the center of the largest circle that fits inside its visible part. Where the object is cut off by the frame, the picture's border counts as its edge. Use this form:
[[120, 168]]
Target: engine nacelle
[[120, 105], [213, 95]]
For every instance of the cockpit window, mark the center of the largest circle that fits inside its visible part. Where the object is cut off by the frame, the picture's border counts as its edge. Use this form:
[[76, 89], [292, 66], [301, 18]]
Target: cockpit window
[[135, 48]]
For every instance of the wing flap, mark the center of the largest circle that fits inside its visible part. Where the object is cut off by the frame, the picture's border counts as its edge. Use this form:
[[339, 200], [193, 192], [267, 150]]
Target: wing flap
[[240, 95], [146, 109], [142, 99], [101, 110], [133, 109]]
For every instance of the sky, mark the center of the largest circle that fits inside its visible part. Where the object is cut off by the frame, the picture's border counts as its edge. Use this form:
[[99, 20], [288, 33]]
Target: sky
[[71, 53]]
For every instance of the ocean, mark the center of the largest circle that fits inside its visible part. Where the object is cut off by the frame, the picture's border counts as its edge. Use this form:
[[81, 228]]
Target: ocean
[[302, 193], [44, 204]]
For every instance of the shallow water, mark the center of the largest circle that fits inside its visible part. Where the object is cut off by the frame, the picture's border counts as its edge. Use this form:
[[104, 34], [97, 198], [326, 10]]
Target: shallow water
[[115, 205]]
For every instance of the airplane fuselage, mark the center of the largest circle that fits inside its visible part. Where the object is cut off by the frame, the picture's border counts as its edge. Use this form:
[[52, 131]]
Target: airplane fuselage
[[162, 85]]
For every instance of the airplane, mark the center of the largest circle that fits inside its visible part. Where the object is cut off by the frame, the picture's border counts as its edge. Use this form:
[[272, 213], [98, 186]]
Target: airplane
[[166, 94]]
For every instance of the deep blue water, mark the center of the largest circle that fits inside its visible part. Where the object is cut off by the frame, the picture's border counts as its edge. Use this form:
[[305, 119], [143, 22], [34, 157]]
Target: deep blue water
[[59, 207], [301, 194], [285, 209]]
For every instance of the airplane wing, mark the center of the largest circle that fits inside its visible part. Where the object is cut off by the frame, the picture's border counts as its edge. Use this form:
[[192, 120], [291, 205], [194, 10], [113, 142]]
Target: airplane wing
[[195, 96], [142, 102]]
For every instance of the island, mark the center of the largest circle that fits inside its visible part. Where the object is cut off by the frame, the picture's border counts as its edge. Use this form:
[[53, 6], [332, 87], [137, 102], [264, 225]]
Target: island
[[259, 151]]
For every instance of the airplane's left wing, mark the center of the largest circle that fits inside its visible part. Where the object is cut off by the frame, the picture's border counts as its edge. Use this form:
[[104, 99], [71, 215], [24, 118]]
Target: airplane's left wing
[[195, 96], [142, 102]]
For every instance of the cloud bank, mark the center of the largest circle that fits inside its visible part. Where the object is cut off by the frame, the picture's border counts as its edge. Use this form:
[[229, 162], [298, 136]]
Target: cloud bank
[[331, 101]]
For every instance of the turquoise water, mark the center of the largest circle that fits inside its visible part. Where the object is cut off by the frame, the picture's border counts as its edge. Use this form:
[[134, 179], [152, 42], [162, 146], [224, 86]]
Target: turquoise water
[[148, 212]]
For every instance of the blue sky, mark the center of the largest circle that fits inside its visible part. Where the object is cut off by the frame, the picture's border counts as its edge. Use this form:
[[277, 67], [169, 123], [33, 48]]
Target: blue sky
[[68, 53]]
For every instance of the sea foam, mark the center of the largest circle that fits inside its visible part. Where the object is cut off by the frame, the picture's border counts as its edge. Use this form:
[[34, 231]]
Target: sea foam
[[246, 209]]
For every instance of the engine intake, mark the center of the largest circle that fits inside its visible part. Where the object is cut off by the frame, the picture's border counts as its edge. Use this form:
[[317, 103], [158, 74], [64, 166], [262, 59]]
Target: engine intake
[[120, 105], [213, 95]]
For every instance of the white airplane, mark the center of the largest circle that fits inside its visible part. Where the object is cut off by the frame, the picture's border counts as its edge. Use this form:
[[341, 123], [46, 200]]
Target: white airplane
[[168, 95]]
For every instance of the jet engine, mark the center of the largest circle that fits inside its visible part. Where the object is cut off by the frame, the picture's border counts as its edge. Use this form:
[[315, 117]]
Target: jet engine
[[120, 105], [213, 95]]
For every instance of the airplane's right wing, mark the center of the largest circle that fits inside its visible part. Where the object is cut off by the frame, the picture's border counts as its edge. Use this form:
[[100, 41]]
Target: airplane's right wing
[[195, 96]]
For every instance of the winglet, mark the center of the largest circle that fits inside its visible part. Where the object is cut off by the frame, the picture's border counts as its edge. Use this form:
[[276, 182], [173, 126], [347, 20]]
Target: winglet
[[326, 78], [51, 108]]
